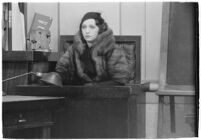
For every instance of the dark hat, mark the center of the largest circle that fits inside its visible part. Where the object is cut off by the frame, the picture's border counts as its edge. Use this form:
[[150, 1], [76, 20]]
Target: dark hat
[[100, 22], [93, 15]]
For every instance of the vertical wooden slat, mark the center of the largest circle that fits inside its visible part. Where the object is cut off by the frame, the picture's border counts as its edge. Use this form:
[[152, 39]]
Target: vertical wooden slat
[[172, 114], [160, 117]]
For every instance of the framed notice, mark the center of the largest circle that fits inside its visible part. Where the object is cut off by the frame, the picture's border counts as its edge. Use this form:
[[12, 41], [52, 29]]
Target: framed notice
[[40, 21]]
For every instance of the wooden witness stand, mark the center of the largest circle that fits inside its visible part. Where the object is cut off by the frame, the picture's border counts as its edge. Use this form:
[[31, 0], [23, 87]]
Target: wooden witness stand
[[87, 112], [95, 112]]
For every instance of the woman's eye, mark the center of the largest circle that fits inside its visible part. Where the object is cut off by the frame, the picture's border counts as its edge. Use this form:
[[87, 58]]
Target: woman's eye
[[83, 27], [92, 27]]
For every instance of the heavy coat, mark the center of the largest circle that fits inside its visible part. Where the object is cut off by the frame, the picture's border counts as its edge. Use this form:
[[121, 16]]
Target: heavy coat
[[110, 61]]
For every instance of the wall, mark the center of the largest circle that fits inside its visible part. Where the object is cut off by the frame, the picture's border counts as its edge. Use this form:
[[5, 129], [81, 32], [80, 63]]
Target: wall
[[152, 54], [125, 19], [69, 23], [135, 25]]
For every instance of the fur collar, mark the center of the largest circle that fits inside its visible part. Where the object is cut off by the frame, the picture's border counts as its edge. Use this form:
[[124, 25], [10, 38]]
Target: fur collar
[[104, 43]]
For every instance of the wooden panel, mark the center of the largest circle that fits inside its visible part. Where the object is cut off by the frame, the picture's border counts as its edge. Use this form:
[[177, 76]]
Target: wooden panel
[[102, 118], [14, 69], [79, 91], [179, 49], [181, 44], [86, 118], [17, 55], [28, 117], [30, 56]]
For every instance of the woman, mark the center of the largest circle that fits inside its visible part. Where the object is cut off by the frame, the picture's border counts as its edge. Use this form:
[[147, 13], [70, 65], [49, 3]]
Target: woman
[[93, 57]]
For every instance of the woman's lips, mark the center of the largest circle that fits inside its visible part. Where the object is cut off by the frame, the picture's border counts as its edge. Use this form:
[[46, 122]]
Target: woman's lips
[[87, 36]]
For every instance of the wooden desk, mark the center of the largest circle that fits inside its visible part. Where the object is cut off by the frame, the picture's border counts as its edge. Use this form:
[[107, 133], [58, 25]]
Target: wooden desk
[[96, 112], [28, 116]]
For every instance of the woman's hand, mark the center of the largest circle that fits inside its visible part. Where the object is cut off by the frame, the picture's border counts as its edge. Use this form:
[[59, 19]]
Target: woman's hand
[[97, 79], [90, 84], [86, 78]]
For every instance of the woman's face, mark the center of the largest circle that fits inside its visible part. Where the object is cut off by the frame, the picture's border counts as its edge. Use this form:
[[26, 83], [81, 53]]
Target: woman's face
[[89, 30]]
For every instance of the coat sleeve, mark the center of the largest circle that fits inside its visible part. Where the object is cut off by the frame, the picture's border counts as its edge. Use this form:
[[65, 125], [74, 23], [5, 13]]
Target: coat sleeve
[[65, 66], [118, 68]]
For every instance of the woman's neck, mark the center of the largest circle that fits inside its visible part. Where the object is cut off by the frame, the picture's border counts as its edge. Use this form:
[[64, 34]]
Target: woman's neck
[[89, 44]]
